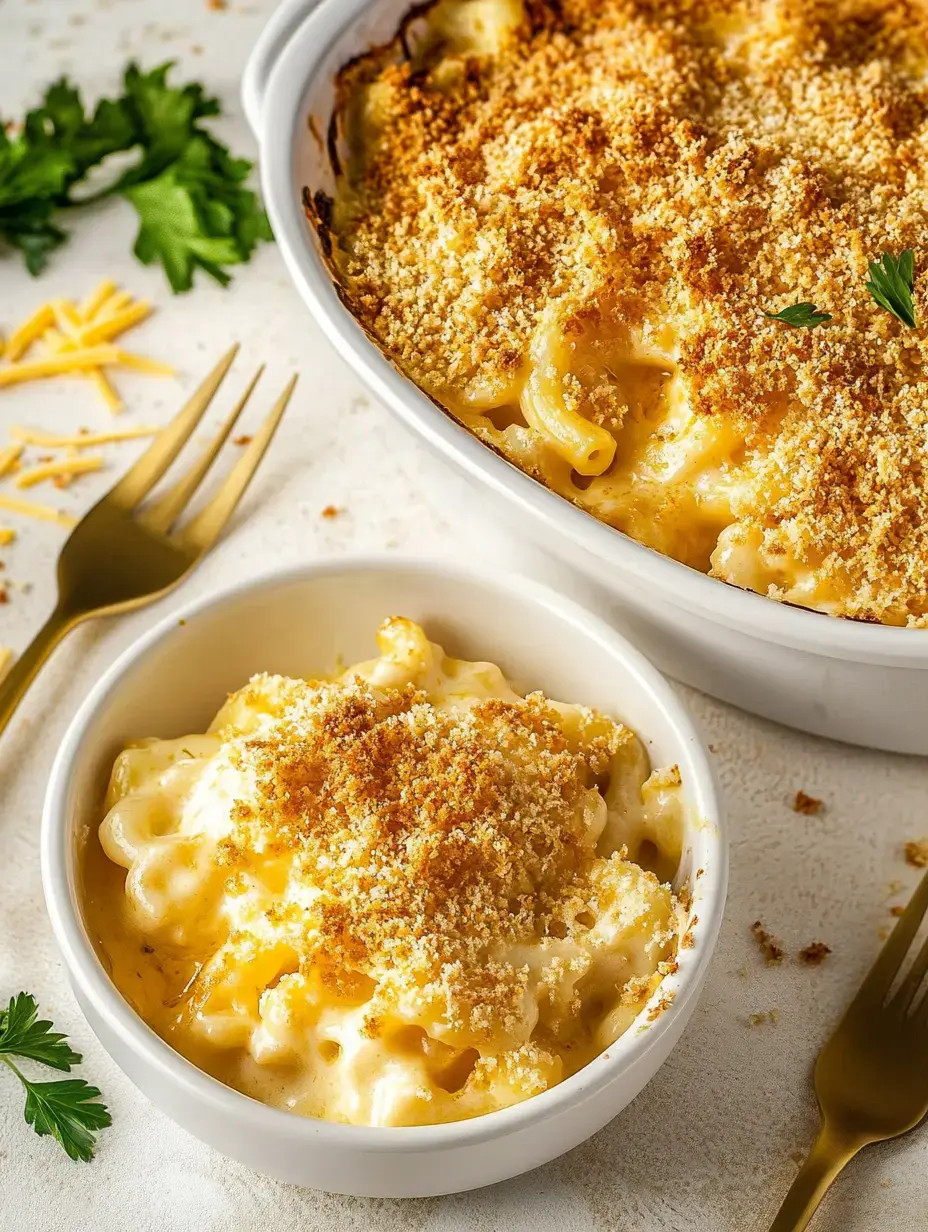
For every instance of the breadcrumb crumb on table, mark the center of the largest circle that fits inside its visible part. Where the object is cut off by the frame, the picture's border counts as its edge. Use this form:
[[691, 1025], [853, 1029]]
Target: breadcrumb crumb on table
[[762, 1017], [916, 853], [811, 806], [769, 946], [815, 953]]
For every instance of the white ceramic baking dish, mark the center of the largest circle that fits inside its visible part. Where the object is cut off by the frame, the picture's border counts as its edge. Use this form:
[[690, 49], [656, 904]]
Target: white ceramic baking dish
[[303, 622], [862, 683]]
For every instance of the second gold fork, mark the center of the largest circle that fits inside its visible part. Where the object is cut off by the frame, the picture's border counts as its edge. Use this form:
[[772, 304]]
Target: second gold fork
[[871, 1078], [123, 554]]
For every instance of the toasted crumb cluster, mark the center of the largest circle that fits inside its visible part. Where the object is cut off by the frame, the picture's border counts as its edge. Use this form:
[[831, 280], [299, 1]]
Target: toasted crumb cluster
[[430, 838], [679, 165], [770, 946], [815, 953], [762, 1017], [811, 806], [916, 853]]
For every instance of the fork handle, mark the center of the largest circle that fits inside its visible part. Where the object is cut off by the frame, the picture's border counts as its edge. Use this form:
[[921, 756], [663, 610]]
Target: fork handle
[[14, 684], [832, 1150]]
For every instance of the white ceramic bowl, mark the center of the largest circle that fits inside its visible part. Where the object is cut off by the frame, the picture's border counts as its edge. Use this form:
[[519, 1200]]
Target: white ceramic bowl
[[173, 681], [866, 684]]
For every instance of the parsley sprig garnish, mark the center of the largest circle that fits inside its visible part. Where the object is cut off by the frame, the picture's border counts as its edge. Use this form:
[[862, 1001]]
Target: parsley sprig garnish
[[800, 316], [189, 192], [892, 281], [69, 1108]]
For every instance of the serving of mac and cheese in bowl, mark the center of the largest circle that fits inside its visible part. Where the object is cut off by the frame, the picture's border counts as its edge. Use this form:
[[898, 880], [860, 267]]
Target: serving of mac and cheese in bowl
[[406, 926], [567, 244]]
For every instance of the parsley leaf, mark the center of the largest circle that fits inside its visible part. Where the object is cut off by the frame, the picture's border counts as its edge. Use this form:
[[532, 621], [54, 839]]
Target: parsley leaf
[[24, 1034], [32, 233], [800, 316], [31, 178], [60, 124], [194, 211], [68, 1109], [891, 285], [196, 214]]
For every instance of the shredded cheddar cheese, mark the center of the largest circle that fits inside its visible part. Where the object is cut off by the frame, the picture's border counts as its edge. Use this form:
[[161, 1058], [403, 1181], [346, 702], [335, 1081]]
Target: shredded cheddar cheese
[[110, 396], [58, 364], [58, 467], [78, 339], [82, 440], [31, 329], [7, 535], [115, 303], [67, 317], [111, 326], [142, 364], [9, 457], [41, 513], [97, 298]]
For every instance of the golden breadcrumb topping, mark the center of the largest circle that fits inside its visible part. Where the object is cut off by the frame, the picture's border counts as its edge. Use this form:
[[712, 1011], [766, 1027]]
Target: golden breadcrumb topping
[[689, 163], [430, 838]]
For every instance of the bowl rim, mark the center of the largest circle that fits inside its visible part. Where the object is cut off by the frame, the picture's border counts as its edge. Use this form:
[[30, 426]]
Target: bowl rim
[[298, 57], [92, 983]]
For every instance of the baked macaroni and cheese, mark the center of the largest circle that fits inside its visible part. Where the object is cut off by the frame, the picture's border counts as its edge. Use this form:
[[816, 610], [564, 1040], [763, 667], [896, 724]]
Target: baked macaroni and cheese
[[626, 243], [402, 897]]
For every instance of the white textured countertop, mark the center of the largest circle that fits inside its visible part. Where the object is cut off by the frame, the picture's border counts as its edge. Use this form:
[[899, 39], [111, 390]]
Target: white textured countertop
[[712, 1143]]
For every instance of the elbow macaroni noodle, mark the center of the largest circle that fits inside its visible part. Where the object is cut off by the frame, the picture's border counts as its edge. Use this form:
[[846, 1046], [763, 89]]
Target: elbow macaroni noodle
[[404, 897]]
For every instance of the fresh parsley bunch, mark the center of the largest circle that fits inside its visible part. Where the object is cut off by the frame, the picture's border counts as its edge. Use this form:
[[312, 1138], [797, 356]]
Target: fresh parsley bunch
[[68, 1109], [189, 192]]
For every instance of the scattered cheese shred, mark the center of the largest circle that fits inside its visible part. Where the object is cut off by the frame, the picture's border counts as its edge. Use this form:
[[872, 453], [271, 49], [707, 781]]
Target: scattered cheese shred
[[72, 338], [36, 325], [97, 298], [56, 341], [112, 326], [42, 513], [78, 339], [67, 317], [141, 363], [61, 466], [110, 396], [9, 456], [116, 303], [83, 440], [57, 365]]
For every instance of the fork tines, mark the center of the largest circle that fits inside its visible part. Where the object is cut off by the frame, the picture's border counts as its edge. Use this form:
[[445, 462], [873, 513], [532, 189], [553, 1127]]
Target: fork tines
[[204, 527]]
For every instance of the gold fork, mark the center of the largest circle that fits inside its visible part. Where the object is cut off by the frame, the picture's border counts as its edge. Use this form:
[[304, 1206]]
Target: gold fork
[[122, 555], [871, 1078]]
